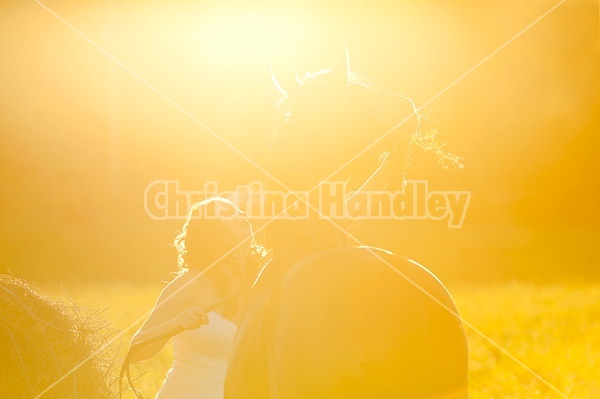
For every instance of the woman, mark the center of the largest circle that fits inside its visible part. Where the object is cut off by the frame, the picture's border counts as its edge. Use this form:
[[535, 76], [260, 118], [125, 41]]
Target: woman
[[217, 257]]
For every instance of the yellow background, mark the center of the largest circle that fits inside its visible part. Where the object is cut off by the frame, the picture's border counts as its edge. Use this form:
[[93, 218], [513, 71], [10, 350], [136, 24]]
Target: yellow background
[[83, 134]]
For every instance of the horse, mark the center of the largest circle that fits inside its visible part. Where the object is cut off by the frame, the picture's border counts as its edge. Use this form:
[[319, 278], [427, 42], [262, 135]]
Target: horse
[[326, 319]]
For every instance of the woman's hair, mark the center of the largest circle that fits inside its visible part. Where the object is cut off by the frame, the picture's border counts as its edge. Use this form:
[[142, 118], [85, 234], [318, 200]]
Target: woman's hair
[[206, 237]]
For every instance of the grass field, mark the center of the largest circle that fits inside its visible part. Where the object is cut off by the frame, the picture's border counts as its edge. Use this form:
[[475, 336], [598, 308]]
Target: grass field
[[537, 333]]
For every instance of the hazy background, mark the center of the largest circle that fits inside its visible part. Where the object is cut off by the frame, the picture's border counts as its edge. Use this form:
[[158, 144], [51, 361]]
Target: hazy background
[[81, 137]]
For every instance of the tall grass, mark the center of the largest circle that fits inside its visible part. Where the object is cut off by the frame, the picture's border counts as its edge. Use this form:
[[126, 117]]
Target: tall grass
[[553, 330], [540, 333]]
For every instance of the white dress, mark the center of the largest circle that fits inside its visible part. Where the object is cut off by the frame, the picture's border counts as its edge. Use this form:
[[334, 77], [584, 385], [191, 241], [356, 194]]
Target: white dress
[[200, 361]]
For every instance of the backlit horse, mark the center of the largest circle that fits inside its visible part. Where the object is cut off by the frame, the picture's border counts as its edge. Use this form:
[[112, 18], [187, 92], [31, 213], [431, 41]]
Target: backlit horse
[[328, 320]]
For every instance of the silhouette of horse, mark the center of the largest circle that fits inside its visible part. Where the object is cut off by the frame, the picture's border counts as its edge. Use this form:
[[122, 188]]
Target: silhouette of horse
[[325, 320]]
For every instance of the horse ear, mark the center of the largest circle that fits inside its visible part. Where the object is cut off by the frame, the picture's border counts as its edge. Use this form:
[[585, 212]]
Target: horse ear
[[284, 76], [340, 71]]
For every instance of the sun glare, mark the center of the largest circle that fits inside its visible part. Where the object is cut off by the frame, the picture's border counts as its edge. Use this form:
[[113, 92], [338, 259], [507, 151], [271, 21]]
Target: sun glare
[[232, 37]]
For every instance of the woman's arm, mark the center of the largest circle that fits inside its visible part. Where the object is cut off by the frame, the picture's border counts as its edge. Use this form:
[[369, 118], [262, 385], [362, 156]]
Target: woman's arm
[[191, 318], [179, 307]]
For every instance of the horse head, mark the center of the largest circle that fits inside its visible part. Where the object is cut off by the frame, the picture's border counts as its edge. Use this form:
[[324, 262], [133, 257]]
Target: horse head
[[332, 124]]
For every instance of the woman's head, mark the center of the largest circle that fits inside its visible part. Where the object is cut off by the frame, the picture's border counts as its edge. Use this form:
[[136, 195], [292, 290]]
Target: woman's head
[[217, 236]]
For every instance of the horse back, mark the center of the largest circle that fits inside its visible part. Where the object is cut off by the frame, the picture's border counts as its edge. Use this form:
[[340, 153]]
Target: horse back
[[360, 323]]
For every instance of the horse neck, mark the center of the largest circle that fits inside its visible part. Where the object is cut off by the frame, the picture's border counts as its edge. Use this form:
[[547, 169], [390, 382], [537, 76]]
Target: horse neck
[[298, 239]]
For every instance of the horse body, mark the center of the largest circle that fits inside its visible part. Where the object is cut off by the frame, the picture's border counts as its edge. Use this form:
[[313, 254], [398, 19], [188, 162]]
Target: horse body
[[354, 322], [328, 321]]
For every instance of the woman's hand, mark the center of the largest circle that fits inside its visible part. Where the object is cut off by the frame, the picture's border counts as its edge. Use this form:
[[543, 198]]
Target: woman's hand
[[191, 318]]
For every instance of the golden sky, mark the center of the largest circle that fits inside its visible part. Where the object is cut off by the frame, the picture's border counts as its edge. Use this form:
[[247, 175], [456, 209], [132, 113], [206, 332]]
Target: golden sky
[[99, 98]]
